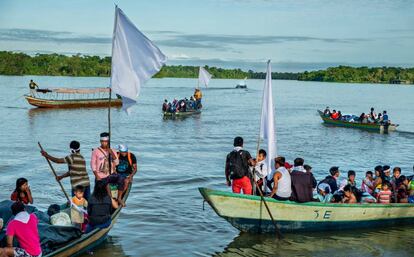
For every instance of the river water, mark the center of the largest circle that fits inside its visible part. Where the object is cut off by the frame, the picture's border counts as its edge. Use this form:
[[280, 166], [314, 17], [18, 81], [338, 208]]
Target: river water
[[164, 215]]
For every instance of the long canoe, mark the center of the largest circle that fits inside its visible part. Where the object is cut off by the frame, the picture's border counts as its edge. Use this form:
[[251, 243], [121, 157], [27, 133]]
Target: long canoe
[[248, 213], [90, 240], [72, 103], [366, 126], [181, 114]]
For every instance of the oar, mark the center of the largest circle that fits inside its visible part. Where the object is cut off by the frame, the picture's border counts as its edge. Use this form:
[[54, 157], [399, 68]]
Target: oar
[[54, 173], [279, 235]]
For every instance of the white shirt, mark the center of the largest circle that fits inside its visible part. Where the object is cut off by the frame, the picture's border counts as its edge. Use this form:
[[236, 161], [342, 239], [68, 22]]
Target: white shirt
[[284, 184], [261, 170]]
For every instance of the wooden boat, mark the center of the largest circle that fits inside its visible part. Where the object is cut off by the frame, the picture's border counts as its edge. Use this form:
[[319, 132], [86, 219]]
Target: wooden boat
[[72, 98], [366, 126], [181, 114], [90, 240], [248, 213]]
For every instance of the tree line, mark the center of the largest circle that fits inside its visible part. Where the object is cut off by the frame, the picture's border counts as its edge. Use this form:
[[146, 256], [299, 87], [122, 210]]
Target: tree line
[[13, 63]]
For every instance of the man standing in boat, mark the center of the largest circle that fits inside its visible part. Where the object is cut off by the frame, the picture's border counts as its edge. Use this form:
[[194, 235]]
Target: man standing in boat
[[33, 86], [102, 159], [197, 96], [237, 168]]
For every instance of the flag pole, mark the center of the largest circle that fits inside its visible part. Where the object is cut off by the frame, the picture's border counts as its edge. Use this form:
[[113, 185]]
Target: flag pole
[[109, 130], [278, 234]]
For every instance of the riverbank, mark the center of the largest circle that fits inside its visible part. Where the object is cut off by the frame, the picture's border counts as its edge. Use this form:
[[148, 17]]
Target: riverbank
[[13, 63]]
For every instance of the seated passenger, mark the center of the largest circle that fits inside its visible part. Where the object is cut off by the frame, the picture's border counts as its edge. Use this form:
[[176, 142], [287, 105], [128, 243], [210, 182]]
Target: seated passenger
[[349, 195], [308, 169], [402, 189], [100, 207], [384, 195], [379, 118], [372, 114], [324, 193], [349, 181], [58, 217], [282, 189], [79, 207], [24, 228], [331, 180], [334, 115], [339, 115], [367, 185], [302, 183], [22, 192], [379, 179], [327, 112], [396, 173]]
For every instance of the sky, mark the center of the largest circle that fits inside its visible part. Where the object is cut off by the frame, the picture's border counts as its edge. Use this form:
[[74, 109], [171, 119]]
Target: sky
[[296, 35]]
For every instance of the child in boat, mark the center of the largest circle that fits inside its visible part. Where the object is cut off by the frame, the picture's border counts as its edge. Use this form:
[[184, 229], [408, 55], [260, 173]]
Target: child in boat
[[22, 192], [367, 185], [402, 189], [349, 195], [324, 194], [384, 195], [349, 181], [78, 209]]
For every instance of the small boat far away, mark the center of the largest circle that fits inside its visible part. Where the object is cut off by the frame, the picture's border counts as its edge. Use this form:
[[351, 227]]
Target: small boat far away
[[72, 98], [242, 83], [375, 127]]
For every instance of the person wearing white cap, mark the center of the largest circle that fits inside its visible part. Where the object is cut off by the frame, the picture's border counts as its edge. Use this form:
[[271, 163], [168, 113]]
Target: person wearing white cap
[[127, 166]]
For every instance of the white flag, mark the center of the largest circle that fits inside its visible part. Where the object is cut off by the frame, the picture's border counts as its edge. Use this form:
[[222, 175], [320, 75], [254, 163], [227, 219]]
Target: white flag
[[203, 76], [267, 124], [135, 59]]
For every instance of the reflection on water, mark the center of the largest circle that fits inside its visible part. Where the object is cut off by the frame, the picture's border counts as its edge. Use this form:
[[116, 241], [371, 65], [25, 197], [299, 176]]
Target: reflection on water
[[112, 246], [375, 242]]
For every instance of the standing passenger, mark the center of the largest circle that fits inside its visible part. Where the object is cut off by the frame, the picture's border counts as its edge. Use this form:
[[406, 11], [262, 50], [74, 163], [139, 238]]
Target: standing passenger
[[76, 166], [237, 168], [260, 170]]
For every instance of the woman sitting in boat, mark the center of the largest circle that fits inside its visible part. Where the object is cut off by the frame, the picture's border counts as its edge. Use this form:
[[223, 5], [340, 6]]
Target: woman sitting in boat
[[22, 192], [334, 115], [165, 105], [100, 207]]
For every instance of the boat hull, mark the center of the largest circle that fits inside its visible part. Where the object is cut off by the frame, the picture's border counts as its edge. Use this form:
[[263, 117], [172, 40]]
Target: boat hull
[[80, 103], [248, 213], [365, 126], [180, 114], [88, 241]]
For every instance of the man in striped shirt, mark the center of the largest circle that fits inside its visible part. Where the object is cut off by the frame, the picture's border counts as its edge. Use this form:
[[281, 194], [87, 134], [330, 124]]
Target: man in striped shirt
[[77, 168]]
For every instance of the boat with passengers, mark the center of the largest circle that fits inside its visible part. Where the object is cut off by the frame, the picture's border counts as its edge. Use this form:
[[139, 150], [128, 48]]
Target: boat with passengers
[[353, 123]]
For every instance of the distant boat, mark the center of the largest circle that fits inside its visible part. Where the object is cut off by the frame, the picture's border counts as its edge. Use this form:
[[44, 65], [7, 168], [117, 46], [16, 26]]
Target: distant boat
[[242, 83], [72, 98], [376, 127], [181, 114]]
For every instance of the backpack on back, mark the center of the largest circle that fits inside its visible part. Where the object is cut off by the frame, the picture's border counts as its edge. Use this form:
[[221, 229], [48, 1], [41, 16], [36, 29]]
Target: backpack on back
[[238, 167]]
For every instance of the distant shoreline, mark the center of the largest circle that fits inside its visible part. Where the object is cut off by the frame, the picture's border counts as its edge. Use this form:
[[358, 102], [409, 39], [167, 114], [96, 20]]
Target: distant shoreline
[[12, 63]]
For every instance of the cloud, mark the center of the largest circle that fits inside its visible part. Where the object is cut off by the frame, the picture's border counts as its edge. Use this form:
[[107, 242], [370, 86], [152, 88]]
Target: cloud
[[169, 38], [50, 36]]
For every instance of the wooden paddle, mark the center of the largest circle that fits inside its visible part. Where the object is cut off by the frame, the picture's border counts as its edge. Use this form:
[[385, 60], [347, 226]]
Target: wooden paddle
[[278, 233], [54, 173]]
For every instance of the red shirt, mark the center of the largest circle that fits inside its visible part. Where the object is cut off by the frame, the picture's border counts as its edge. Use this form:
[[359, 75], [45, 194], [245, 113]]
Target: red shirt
[[14, 197]]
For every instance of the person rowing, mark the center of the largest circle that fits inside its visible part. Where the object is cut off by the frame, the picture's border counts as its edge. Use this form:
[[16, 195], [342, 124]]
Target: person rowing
[[76, 168]]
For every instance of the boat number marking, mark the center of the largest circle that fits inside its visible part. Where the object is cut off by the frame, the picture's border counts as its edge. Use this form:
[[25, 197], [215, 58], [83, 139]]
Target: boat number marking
[[326, 215]]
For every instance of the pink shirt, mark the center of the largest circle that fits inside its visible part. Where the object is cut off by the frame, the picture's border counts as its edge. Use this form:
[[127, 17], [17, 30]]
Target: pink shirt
[[27, 234], [97, 162]]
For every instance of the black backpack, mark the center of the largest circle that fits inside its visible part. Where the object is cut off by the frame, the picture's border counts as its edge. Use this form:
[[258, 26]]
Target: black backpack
[[238, 164]]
